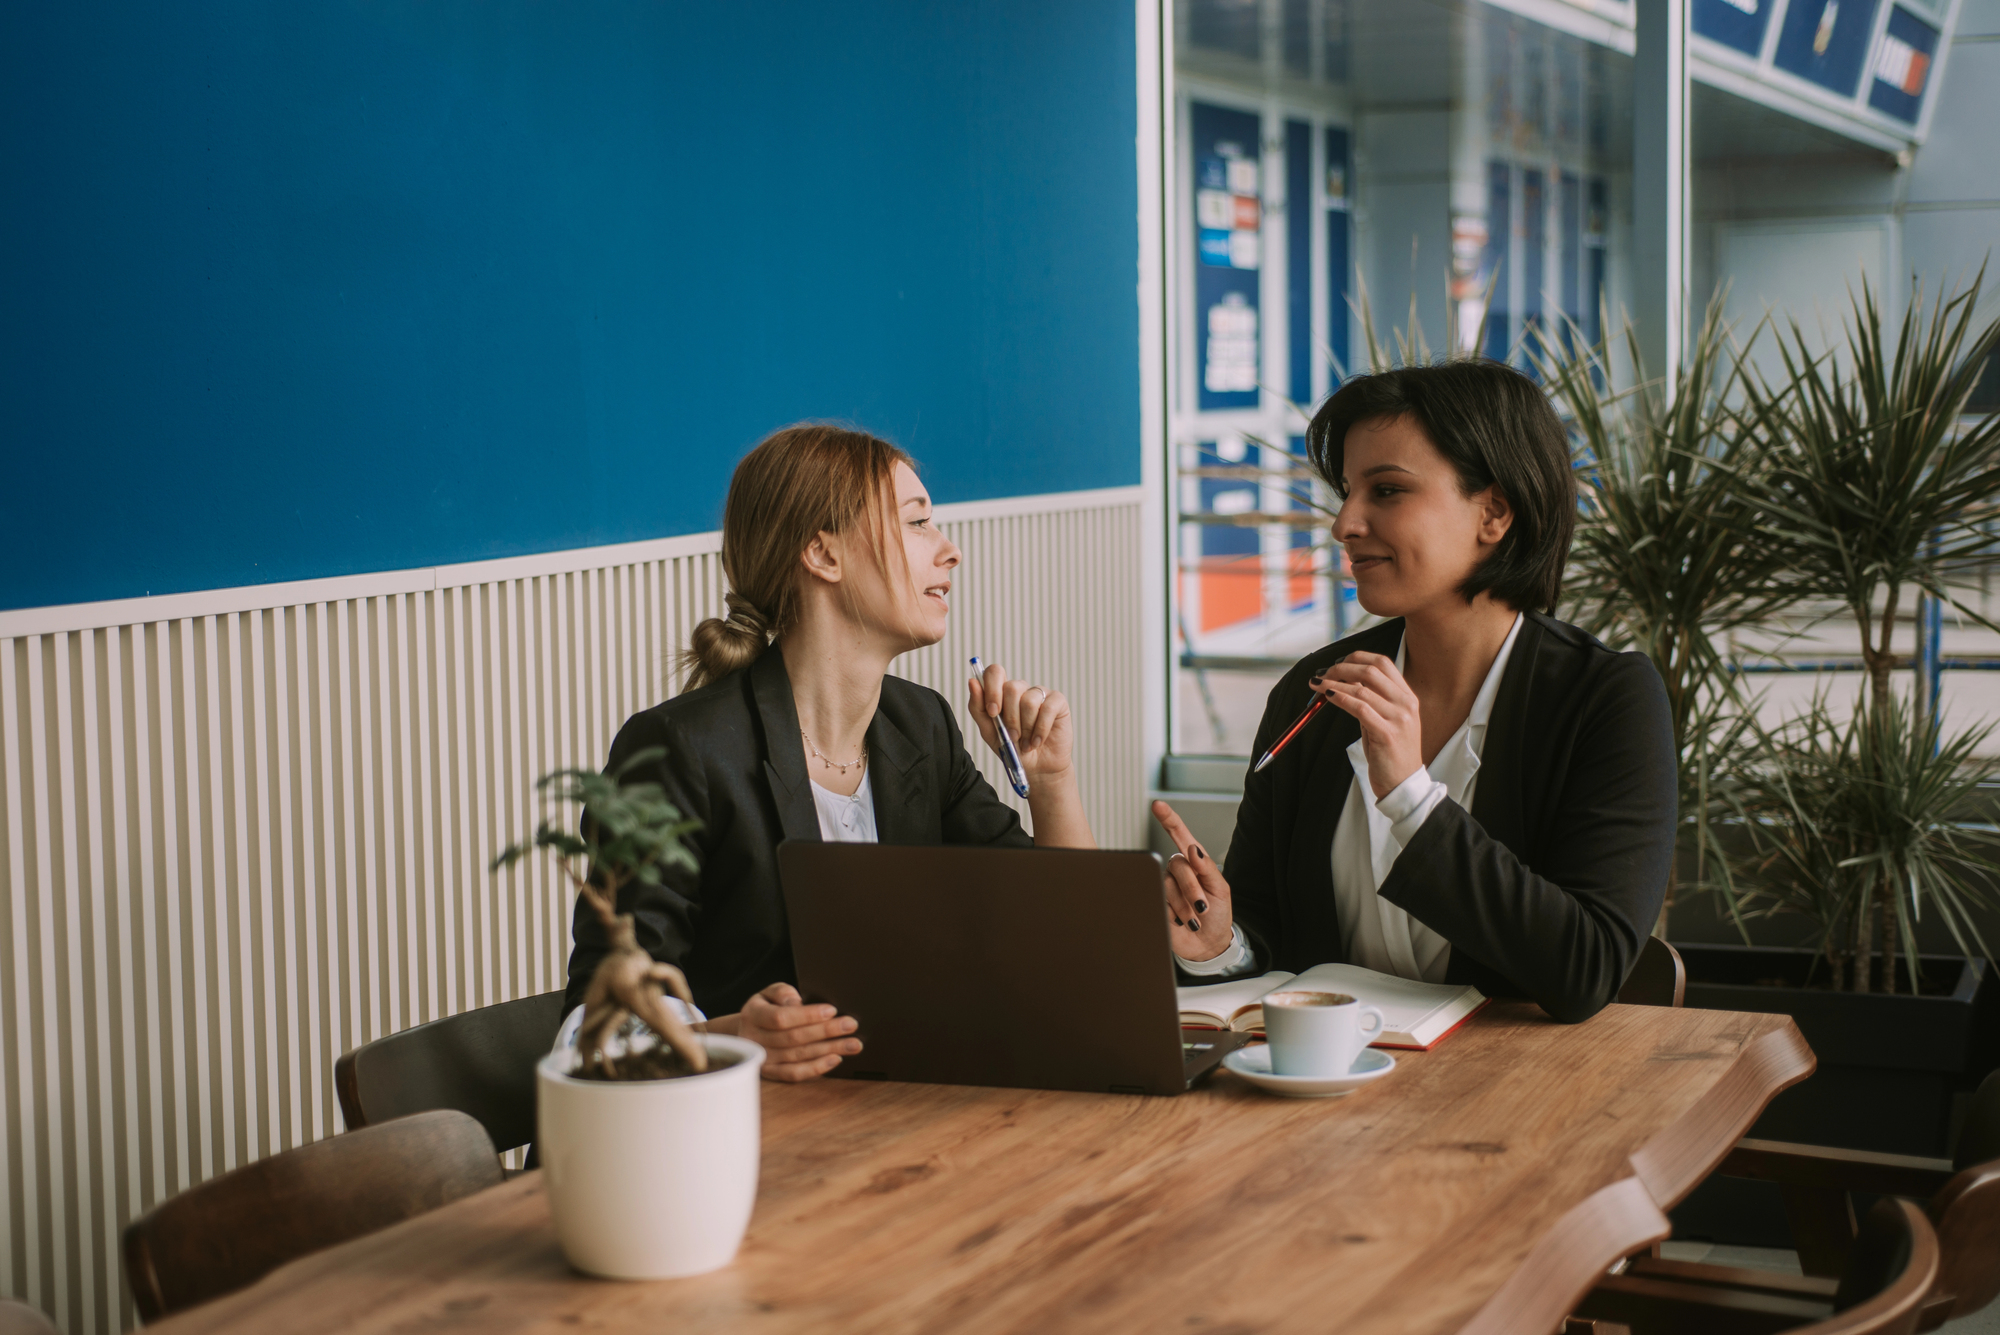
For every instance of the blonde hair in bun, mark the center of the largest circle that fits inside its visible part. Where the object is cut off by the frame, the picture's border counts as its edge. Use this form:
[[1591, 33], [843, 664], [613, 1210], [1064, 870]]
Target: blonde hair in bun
[[799, 482]]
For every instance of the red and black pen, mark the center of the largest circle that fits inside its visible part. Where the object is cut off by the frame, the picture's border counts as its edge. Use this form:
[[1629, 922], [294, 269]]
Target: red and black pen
[[1319, 702]]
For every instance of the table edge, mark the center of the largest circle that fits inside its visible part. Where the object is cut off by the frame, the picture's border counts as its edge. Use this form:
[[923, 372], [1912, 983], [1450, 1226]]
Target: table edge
[[1678, 1159]]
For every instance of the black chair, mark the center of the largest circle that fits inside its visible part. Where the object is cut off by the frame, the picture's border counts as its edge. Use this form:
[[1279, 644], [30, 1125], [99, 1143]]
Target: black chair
[[232, 1230], [1658, 977], [1890, 1273], [21, 1319], [480, 1062]]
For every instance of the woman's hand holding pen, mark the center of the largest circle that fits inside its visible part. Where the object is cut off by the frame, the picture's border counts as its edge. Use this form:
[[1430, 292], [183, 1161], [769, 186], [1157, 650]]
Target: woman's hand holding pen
[[1369, 687], [1036, 717], [1200, 921]]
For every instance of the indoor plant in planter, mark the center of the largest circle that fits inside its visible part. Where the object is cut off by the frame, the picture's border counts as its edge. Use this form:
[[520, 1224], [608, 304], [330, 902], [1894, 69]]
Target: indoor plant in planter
[[1878, 488], [1852, 480], [1860, 827], [648, 1131], [1865, 826], [1835, 817]]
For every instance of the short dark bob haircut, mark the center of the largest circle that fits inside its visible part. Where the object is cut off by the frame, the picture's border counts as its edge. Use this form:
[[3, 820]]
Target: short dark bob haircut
[[1496, 427]]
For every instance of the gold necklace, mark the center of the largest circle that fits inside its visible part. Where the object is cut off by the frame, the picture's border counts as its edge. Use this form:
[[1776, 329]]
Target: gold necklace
[[833, 764]]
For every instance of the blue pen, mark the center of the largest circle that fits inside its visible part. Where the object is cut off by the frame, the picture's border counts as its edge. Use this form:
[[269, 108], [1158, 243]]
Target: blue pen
[[1008, 755]]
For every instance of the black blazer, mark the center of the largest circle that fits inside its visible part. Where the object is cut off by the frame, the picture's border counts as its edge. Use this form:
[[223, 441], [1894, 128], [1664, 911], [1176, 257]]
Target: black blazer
[[734, 759], [1547, 888]]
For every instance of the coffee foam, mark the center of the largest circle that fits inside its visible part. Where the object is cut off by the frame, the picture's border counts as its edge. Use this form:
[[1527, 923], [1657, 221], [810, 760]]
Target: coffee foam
[[1308, 999]]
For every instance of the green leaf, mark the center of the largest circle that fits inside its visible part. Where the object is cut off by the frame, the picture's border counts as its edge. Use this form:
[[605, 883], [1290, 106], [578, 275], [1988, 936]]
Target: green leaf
[[625, 826]]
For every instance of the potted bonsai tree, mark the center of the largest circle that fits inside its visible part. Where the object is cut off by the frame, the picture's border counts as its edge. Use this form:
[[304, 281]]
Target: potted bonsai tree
[[648, 1127]]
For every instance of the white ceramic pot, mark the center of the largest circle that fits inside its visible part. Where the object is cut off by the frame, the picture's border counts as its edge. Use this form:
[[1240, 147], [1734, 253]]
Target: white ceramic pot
[[651, 1179]]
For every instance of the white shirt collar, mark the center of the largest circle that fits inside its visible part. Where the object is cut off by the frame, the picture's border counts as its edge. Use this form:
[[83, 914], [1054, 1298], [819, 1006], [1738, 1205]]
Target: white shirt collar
[[1457, 760]]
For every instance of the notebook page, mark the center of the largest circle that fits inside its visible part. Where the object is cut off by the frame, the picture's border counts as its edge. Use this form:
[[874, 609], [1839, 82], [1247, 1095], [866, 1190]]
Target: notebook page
[[1223, 999]]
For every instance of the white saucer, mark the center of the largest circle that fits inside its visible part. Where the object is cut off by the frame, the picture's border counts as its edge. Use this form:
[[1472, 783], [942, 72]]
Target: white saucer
[[1254, 1064]]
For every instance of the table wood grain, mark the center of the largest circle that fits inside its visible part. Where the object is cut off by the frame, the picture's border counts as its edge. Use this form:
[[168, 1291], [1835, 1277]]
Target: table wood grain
[[1478, 1187]]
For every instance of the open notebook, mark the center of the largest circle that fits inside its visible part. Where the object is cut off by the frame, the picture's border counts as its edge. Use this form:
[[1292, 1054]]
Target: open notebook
[[1414, 1015]]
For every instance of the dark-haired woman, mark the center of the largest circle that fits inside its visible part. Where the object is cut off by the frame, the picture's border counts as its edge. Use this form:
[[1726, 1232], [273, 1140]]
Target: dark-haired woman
[[1493, 799], [791, 728]]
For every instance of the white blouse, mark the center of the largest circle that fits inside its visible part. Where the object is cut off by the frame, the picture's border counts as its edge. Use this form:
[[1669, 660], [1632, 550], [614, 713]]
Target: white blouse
[[847, 819], [1381, 935]]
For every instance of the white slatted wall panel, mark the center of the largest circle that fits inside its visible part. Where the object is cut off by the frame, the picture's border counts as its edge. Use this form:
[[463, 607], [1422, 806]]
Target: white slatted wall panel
[[237, 844]]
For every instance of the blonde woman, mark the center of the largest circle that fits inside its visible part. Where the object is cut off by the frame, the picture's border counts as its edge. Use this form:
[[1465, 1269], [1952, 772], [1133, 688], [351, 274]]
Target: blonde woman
[[791, 728]]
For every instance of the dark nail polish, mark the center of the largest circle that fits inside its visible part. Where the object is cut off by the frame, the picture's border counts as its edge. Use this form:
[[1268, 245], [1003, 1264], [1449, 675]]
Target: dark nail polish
[[1201, 906], [1178, 922], [1197, 850], [1194, 925]]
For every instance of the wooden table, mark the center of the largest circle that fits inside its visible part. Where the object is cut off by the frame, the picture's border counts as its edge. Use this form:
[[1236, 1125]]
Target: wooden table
[[1479, 1187]]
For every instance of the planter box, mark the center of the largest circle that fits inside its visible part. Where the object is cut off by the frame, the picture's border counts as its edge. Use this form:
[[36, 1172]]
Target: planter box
[[1891, 1068]]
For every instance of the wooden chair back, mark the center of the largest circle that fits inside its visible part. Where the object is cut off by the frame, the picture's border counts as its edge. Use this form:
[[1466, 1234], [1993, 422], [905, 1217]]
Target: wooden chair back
[[1658, 977], [21, 1319], [1966, 1213], [1886, 1290], [1889, 1274], [481, 1062], [1967, 1216], [1979, 1137], [234, 1229]]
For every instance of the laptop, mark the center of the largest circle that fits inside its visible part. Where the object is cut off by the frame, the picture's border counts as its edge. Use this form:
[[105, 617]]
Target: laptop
[[1031, 968]]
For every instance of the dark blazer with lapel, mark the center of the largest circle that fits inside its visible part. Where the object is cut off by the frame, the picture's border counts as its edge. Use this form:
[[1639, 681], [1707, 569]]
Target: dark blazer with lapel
[[1547, 888], [734, 760]]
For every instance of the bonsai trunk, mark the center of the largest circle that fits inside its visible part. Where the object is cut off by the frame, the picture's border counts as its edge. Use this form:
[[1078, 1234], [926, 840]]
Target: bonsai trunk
[[626, 985]]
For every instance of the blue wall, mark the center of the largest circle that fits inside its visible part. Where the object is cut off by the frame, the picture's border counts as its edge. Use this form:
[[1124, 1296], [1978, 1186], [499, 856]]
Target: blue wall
[[295, 290]]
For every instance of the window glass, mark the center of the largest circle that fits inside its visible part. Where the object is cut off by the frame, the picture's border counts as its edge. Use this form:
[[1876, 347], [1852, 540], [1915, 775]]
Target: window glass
[[1448, 166]]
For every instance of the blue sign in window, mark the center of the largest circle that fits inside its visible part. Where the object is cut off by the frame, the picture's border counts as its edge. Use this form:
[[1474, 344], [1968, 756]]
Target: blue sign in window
[[1298, 252], [1826, 41], [1570, 210], [1734, 23], [1534, 262], [1902, 66], [1339, 172], [1228, 341], [1499, 249]]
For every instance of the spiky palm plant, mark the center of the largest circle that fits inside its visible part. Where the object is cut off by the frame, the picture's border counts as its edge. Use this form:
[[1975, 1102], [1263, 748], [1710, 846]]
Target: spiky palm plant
[[1879, 485], [1876, 480]]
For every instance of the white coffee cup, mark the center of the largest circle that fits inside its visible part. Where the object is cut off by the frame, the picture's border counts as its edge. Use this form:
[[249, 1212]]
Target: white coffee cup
[[1317, 1033]]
